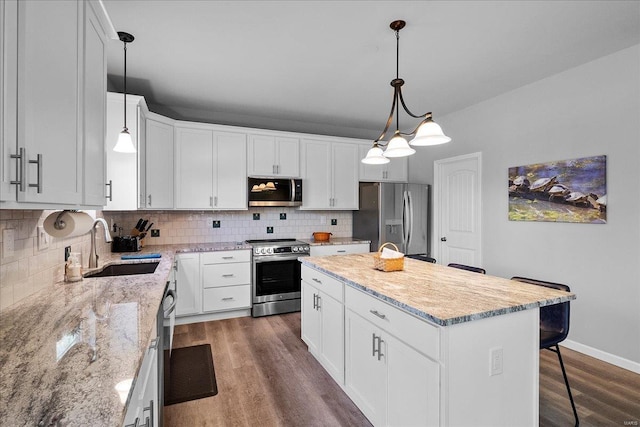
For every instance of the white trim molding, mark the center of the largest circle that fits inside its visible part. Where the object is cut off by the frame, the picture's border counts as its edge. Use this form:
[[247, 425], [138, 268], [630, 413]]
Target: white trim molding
[[621, 362]]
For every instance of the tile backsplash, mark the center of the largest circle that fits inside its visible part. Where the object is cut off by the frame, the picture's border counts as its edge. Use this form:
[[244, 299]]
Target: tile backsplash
[[198, 226], [29, 269]]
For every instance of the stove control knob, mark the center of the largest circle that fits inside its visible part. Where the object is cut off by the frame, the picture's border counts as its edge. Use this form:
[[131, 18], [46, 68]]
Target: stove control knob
[[269, 250], [263, 251], [295, 249], [306, 248]]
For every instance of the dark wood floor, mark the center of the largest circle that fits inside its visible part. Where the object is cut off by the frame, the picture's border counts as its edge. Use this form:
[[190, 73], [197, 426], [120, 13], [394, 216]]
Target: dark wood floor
[[267, 377]]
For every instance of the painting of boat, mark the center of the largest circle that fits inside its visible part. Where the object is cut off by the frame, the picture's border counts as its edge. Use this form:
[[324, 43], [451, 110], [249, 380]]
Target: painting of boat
[[560, 191]]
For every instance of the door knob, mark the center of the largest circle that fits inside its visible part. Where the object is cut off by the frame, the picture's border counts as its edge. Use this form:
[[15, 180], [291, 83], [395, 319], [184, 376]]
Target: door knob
[[443, 239]]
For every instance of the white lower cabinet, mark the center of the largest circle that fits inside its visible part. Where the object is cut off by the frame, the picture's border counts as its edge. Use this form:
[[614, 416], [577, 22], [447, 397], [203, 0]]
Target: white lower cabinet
[[142, 409], [323, 320], [188, 284], [226, 280], [213, 282]]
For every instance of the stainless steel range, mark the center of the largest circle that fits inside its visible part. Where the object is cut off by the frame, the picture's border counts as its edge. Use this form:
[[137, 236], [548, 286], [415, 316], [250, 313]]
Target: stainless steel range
[[276, 275]]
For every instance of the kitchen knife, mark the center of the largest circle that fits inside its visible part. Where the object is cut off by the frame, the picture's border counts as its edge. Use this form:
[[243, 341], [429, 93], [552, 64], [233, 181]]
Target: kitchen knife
[[137, 227], [144, 224], [149, 227]]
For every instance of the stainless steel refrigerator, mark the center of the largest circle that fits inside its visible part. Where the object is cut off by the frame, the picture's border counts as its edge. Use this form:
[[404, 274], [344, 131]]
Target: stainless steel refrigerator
[[397, 213]]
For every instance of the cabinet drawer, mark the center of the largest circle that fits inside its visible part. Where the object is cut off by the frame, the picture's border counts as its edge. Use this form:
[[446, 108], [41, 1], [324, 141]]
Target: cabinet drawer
[[216, 275], [417, 333], [324, 250], [221, 257], [226, 298], [326, 284]]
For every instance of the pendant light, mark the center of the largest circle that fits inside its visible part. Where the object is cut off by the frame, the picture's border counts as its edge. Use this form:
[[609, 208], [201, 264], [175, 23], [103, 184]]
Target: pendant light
[[125, 143], [426, 133]]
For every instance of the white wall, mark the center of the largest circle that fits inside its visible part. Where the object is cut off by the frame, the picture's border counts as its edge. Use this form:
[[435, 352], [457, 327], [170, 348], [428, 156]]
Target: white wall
[[589, 110]]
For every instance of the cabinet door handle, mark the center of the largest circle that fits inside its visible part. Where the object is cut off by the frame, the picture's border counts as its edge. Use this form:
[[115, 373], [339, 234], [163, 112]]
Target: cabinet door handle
[[227, 299], [317, 280], [38, 184], [278, 169], [20, 167], [318, 300], [273, 168], [110, 185], [377, 349], [315, 301], [341, 251], [149, 421], [215, 201], [149, 199], [373, 344], [377, 313], [211, 201], [227, 257], [228, 275]]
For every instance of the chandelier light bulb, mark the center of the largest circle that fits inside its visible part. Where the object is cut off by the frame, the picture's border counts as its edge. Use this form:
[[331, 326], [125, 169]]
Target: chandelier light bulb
[[398, 147], [429, 133], [375, 156]]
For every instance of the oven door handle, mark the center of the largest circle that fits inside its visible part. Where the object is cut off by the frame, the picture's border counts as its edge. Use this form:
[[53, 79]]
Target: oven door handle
[[270, 258]]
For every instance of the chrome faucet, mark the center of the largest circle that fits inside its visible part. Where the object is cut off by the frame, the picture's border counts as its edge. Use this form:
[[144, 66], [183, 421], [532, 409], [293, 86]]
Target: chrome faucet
[[93, 254]]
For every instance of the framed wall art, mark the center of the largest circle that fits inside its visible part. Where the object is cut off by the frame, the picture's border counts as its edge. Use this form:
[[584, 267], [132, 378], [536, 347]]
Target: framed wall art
[[560, 191]]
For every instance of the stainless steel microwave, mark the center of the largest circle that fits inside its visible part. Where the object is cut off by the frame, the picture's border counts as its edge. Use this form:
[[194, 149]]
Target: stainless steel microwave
[[274, 192]]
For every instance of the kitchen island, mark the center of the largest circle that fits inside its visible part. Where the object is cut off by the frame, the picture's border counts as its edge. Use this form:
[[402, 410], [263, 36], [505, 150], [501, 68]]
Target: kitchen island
[[429, 345]]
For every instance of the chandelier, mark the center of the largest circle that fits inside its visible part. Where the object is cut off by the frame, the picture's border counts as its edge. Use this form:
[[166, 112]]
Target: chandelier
[[426, 133]]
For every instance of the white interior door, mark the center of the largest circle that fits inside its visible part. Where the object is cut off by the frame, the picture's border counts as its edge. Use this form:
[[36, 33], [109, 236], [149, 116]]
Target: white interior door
[[457, 210]]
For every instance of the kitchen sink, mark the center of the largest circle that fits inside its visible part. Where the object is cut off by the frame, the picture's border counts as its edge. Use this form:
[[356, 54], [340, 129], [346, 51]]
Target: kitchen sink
[[125, 269]]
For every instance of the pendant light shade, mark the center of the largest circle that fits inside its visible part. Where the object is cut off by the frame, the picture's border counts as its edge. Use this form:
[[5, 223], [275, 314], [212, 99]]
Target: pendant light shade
[[375, 156], [125, 142], [429, 133], [398, 147]]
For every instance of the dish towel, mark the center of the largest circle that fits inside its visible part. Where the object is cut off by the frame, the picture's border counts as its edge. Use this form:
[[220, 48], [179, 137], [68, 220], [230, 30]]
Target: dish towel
[[390, 254], [140, 256]]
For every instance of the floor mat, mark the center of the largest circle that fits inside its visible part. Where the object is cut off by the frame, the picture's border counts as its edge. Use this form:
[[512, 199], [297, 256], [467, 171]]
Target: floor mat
[[189, 374]]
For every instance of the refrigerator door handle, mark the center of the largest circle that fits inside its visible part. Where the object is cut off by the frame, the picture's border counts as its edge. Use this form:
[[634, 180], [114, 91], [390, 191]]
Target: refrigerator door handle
[[407, 220]]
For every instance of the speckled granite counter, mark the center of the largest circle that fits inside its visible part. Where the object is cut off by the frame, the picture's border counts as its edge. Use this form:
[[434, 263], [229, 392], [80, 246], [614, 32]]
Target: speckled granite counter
[[439, 294], [335, 241], [64, 350]]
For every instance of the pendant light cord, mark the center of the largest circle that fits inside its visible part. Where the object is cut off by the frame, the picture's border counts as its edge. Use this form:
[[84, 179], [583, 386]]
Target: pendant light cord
[[397, 89], [125, 86]]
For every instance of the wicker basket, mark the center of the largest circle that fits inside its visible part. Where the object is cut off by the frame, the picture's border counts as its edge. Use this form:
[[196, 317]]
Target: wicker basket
[[387, 264]]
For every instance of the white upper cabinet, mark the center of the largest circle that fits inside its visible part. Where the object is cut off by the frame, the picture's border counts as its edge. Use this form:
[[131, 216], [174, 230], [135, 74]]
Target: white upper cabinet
[[273, 156], [210, 168], [394, 171], [158, 163], [330, 171], [95, 93], [54, 103], [122, 168]]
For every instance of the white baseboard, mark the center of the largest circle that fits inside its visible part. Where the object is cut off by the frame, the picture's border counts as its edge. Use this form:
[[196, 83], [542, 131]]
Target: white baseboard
[[603, 355]]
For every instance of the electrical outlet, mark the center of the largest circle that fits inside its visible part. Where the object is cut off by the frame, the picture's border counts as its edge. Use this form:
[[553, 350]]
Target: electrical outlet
[[8, 242], [155, 232], [216, 224], [496, 361], [283, 216], [334, 221], [256, 216], [67, 253], [43, 239], [269, 230]]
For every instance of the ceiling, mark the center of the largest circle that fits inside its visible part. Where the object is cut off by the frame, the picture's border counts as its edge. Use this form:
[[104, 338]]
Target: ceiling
[[325, 66]]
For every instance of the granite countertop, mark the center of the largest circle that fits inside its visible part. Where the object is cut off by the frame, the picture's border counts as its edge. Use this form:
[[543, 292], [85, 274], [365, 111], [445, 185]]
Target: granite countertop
[[335, 241], [65, 349], [439, 294]]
